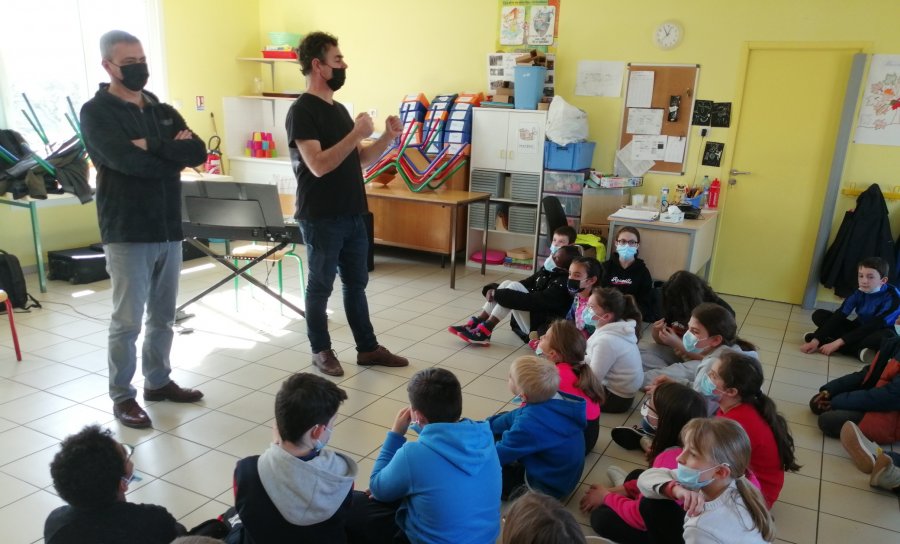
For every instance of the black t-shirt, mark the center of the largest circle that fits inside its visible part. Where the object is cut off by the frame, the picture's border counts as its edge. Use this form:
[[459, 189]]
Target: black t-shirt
[[339, 192], [118, 523]]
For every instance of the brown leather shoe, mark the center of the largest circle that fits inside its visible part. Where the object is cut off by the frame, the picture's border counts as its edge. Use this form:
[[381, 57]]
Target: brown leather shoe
[[173, 393], [380, 356], [130, 414], [328, 363]]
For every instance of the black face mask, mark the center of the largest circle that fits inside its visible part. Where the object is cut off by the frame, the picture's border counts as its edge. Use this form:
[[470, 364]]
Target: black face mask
[[573, 286], [135, 76], [338, 77]]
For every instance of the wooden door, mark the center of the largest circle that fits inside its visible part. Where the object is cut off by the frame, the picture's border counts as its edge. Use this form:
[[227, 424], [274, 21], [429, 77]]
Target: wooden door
[[788, 122]]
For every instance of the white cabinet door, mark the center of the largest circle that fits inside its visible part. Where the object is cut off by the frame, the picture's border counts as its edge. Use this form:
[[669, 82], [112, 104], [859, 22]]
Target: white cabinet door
[[525, 141], [490, 133]]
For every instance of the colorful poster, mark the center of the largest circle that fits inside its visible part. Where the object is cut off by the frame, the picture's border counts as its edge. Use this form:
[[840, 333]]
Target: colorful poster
[[879, 115], [512, 25], [541, 22]]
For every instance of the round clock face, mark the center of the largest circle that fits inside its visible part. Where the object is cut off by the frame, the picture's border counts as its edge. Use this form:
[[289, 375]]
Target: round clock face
[[668, 35]]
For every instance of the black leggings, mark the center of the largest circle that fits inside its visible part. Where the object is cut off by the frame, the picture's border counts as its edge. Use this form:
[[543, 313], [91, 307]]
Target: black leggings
[[591, 433], [607, 523], [664, 520], [615, 404]]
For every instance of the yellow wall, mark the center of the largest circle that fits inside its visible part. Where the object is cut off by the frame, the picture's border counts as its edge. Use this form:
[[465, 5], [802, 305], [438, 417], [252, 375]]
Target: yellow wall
[[402, 46]]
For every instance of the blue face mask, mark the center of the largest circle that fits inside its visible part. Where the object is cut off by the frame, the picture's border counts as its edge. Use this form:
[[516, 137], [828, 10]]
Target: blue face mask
[[323, 439], [416, 426], [707, 387], [897, 329], [689, 478], [517, 399], [538, 351], [690, 342], [554, 249], [626, 252], [549, 265], [588, 316]]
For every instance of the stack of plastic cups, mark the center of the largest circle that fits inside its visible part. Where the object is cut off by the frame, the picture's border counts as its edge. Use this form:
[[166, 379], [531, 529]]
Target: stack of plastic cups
[[261, 146]]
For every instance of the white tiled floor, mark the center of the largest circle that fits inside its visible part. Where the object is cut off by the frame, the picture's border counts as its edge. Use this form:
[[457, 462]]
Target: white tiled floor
[[240, 358]]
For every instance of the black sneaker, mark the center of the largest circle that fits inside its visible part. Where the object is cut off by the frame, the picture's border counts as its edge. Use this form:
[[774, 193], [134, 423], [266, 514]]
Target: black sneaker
[[628, 438], [458, 330], [477, 335], [808, 337], [867, 355]]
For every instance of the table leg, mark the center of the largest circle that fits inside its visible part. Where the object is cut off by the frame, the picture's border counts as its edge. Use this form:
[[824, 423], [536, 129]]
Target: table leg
[[38, 249], [487, 208], [453, 229]]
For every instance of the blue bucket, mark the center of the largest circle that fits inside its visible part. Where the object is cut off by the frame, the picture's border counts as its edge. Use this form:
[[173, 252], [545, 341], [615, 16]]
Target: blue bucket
[[529, 86]]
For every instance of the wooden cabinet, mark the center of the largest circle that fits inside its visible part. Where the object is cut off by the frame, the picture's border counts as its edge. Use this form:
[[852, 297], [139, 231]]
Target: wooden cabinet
[[507, 160]]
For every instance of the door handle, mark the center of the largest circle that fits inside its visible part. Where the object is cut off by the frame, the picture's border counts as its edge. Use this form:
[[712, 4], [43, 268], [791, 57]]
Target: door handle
[[502, 154], [509, 155], [735, 172]]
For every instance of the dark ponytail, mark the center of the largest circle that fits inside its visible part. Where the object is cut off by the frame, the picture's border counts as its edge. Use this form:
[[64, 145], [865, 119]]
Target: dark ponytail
[[683, 292], [623, 307], [720, 322], [745, 374], [675, 404]]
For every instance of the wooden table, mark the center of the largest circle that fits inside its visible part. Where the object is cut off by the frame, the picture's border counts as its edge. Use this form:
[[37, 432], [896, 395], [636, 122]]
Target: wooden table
[[409, 218], [669, 247]]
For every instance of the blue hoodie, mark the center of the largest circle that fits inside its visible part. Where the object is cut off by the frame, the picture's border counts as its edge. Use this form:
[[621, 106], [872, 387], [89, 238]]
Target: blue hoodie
[[449, 481], [548, 439]]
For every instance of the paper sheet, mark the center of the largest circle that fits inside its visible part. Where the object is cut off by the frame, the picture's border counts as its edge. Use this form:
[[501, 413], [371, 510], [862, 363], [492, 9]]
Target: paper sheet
[[648, 148], [640, 89], [635, 215], [644, 121], [599, 78], [626, 165], [675, 149]]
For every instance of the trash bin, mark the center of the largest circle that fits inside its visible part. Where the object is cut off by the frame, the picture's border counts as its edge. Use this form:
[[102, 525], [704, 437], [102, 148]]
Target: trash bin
[[529, 86]]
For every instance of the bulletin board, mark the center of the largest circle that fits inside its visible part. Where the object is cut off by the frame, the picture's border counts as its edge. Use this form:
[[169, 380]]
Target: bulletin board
[[668, 81]]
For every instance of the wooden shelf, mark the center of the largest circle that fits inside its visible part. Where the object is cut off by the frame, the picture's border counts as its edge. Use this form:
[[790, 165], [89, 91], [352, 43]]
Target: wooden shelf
[[268, 61], [260, 97]]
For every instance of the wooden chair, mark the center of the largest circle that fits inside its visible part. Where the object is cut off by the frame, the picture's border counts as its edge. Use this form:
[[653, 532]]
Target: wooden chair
[[4, 299]]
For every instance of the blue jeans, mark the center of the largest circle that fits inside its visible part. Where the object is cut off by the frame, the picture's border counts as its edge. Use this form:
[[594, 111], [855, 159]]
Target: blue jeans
[[142, 274], [337, 245]]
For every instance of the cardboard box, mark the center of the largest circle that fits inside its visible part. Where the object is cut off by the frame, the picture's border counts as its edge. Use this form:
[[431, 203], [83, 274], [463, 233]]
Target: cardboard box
[[543, 106], [598, 204], [503, 98], [504, 91]]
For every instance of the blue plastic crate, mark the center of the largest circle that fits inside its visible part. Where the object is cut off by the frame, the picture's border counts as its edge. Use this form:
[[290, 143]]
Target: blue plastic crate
[[568, 157]]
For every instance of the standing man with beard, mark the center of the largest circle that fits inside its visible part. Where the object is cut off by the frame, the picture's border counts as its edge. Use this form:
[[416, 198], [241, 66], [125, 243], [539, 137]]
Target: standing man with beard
[[139, 147], [327, 157]]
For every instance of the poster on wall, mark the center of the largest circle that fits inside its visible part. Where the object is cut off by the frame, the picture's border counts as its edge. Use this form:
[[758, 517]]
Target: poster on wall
[[512, 25], [527, 25], [501, 68], [879, 115], [541, 22]]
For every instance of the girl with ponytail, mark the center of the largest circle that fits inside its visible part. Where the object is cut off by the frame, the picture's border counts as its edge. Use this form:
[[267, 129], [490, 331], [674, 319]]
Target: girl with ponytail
[[737, 381], [710, 481], [563, 345], [612, 351]]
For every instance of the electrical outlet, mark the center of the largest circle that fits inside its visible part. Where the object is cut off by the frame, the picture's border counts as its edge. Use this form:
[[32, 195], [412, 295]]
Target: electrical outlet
[[373, 113]]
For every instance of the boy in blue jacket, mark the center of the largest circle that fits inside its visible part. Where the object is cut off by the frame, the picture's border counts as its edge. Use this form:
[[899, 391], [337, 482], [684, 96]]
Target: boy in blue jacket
[[877, 306], [543, 441], [443, 488]]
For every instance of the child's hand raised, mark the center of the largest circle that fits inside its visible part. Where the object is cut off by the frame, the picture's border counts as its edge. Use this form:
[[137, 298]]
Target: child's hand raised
[[401, 423]]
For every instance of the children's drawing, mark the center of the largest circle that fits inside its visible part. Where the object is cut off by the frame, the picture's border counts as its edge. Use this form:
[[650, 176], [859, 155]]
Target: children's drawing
[[879, 115], [541, 23], [512, 25]]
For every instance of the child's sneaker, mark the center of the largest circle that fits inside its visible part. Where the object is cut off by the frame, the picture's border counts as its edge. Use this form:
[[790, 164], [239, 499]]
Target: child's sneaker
[[616, 475], [628, 437], [862, 450], [477, 335], [885, 474], [808, 337], [459, 329], [867, 355], [646, 443]]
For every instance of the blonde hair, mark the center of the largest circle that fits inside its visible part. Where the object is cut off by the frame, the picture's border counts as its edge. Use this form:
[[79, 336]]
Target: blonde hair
[[724, 442], [537, 378], [537, 518]]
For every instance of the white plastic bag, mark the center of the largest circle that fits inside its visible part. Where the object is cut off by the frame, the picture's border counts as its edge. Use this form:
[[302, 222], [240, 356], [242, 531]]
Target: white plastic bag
[[566, 124]]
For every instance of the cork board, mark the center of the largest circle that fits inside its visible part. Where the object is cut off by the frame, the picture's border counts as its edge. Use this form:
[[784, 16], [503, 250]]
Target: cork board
[[668, 81]]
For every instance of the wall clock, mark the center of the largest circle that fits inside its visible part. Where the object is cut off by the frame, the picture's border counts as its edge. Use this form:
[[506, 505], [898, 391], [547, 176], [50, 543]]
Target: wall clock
[[668, 35]]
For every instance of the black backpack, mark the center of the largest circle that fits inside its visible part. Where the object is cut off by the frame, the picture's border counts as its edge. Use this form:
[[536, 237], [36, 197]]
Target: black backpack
[[12, 280]]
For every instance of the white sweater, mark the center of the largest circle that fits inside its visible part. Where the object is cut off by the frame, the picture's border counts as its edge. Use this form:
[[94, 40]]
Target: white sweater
[[725, 520], [613, 355]]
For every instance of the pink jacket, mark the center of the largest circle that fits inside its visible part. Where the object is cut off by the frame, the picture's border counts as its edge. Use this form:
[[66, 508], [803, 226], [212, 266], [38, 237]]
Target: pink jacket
[[567, 381]]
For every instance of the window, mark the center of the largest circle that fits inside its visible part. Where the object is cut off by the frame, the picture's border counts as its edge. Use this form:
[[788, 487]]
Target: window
[[53, 52]]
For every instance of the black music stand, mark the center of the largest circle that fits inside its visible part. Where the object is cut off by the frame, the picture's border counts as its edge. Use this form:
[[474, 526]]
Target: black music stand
[[235, 211]]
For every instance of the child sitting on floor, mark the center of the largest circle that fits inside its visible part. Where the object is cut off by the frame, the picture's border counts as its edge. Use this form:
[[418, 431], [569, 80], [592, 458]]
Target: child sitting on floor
[[877, 306], [543, 441], [533, 302]]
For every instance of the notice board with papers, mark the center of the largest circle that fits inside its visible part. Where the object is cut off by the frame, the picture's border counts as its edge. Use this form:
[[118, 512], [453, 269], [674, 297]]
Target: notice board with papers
[[653, 91]]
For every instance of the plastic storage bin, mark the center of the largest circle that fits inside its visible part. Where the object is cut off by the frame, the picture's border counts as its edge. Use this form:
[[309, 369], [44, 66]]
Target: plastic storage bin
[[529, 86], [522, 219], [574, 222], [486, 182], [556, 181], [571, 204], [568, 157], [476, 216]]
